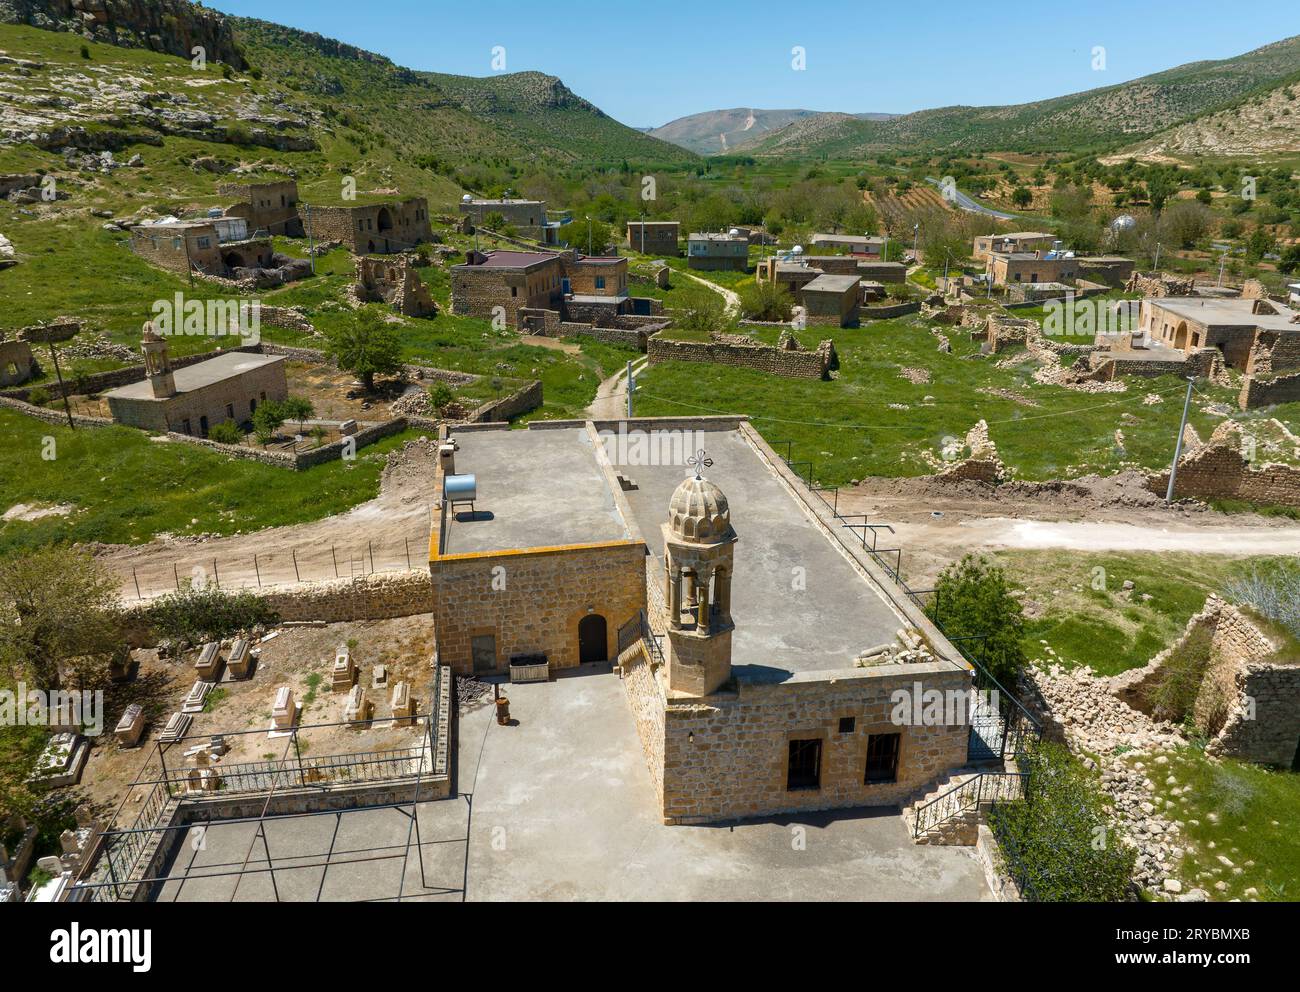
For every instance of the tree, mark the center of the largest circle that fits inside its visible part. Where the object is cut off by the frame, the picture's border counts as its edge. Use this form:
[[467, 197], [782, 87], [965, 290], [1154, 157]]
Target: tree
[[1021, 197], [365, 346], [1186, 223], [973, 600], [440, 396], [766, 301], [58, 609], [706, 316], [1159, 190], [1258, 244], [298, 408]]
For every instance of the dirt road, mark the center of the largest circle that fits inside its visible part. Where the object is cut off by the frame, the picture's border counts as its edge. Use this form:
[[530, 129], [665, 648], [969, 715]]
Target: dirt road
[[733, 300], [388, 533], [611, 395]]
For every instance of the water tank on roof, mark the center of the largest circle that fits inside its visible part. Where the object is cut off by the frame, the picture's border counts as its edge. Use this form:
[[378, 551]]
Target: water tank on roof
[[734, 232], [214, 212], [460, 488], [467, 199]]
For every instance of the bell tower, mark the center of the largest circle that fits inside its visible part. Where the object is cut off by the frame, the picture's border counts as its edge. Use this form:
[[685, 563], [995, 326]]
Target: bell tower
[[157, 365], [698, 561]]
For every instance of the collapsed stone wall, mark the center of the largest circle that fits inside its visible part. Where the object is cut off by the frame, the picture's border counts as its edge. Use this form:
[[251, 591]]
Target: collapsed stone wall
[[394, 282], [1273, 352], [984, 464], [815, 364], [1219, 470], [1248, 703], [1157, 285], [1257, 392]]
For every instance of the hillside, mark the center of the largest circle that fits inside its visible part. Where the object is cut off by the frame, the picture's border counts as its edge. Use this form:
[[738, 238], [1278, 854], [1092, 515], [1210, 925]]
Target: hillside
[[1091, 120], [1266, 124], [719, 132], [282, 89]]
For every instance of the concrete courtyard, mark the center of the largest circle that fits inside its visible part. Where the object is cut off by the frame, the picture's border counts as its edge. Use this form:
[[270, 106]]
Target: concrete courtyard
[[559, 806]]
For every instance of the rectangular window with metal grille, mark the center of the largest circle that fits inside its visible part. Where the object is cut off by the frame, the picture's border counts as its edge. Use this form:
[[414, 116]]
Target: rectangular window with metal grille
[[805, 768], [882, 758]]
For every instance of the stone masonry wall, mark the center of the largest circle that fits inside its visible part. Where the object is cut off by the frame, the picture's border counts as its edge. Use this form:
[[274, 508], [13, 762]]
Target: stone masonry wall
[[1219, 471], [1267, 392], [531, 601], [794, 364], [727, 756], [645, 697]]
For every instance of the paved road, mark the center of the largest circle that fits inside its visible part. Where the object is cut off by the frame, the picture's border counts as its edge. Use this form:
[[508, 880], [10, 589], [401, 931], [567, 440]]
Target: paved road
[[973, 206]]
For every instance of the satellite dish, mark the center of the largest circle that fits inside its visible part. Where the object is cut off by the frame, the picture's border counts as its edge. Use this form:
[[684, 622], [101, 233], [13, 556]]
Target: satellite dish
[[797, 250], [467, 199], [734, 232]]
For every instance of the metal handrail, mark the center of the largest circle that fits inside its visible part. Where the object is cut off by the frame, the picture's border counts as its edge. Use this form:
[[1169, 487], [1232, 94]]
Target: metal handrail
[[986, 787]]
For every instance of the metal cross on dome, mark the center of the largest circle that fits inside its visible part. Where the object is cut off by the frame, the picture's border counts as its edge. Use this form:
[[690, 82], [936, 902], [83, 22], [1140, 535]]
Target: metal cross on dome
[[700, 460]]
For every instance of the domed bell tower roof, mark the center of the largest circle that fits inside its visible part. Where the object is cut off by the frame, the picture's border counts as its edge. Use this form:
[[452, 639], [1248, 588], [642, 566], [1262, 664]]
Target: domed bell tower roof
[[698, 512]]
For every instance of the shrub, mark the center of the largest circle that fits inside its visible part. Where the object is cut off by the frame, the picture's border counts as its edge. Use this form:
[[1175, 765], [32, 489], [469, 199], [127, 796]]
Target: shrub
[[440, 395], [38, 396], [708, 315], [973, 600], [1059, 843], [226, 432], [196, 614], [1273, 593], [766, 301], [1173, 696]]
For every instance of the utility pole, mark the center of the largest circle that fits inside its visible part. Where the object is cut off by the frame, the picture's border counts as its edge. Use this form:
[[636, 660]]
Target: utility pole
[[631, 388], [588, 237], [1178, 448], [1157, 261], [58, 374], [1223, 260], [311, 243]]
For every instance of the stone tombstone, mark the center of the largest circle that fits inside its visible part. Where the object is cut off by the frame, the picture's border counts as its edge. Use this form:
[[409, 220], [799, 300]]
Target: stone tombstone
[[178, 724], [240, 661], [197, 697], [344, 673], [403, 705], [130, 728], [348, 428], [208, 666], [284, 712], [356, 709], [379, 677]]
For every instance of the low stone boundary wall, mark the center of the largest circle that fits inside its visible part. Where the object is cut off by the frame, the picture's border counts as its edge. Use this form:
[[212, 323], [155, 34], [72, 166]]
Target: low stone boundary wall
[[884, 313], [762, 358], [518, 403], [1218, 470]]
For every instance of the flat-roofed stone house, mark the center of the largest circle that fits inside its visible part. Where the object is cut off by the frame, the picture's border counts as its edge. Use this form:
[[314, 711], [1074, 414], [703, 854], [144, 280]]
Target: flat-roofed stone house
[[214, 246], [718, 251], [190, 400], [511, 280], [1038, 266], [527, 218], [655, 237], [1233, 326], [1015, 242], [832, 299]]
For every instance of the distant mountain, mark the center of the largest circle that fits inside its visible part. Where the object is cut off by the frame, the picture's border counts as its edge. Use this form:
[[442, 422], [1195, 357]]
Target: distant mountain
[[1093, 120], [718, 132]]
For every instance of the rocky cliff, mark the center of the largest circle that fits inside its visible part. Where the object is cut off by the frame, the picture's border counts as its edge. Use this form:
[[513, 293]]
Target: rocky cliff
[[175, 27]]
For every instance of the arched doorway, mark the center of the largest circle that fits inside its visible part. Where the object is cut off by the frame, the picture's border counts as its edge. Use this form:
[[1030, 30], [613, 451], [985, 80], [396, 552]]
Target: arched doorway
[[385, 220], [234, 260], [593, 644], [1180, 336]]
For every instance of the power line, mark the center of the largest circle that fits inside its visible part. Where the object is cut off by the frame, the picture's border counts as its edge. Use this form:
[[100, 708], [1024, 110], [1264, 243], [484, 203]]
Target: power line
[[901, 427]]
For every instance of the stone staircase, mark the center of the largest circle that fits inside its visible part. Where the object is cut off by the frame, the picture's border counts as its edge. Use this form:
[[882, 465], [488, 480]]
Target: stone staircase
[[960, 829]]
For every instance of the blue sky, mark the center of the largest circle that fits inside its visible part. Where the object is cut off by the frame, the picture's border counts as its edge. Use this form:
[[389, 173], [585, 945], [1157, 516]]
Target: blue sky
[[646, 63]]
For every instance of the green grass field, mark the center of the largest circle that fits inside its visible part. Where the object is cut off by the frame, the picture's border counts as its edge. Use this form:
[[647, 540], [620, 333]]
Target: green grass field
[[871, 421], [126, 488]]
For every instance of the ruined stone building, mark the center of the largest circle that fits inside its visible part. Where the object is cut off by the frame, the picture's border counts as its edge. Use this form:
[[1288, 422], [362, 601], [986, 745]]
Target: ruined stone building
[[268, 207], [206, 246], [17, 363], [395, 282], [192, 399], [766, 664], [371, 229], [527, 218]]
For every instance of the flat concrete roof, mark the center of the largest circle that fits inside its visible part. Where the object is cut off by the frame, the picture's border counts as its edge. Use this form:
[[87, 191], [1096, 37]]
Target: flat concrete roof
[[536, 489], [201, 375], [798, 605], [1227, 312], [832, 284], [515, 259]]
